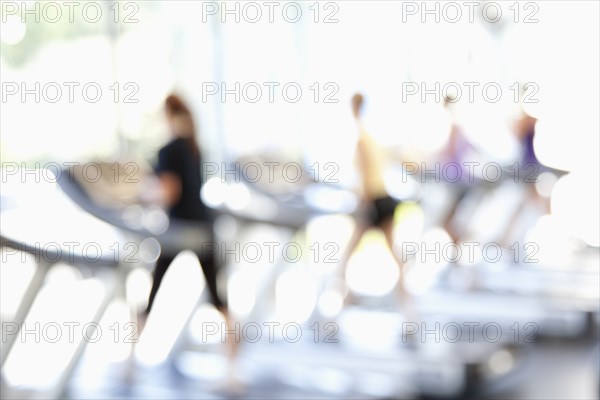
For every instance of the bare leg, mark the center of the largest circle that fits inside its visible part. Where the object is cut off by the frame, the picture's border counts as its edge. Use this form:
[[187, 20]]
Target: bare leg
[[447, 223], [232, 344], [388, 230], [541, 201], [357, 235], [455, 235], [231, 385], [405, 299], [531, 197], [508, 234]]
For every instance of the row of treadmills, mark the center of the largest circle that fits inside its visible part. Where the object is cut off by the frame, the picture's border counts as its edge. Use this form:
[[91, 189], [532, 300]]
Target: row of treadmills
[[466, 340]]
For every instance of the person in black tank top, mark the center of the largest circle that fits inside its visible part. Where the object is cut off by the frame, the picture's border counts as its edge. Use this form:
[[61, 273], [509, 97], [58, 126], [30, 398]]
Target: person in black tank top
[[178, 171], [183, 162]]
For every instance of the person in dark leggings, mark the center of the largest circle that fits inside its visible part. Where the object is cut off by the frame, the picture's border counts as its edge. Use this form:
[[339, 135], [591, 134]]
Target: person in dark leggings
[[209, 268], [179, 173]]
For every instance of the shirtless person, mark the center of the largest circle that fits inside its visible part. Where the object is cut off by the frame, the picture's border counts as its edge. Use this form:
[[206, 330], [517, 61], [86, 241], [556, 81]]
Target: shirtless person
[[378, 205]]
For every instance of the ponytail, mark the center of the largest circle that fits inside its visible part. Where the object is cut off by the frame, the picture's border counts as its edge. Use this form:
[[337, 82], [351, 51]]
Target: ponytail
[[175, 108]]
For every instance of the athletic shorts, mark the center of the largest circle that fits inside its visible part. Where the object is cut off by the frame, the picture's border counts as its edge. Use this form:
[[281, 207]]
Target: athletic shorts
[[382, 209]]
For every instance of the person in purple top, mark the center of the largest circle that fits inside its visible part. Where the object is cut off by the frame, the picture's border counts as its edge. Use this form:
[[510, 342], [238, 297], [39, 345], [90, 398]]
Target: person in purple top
[[529, 168], [454, 160]]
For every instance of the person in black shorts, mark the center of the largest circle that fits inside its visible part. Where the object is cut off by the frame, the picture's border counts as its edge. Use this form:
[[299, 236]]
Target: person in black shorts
[[382, 211], [377, 205]]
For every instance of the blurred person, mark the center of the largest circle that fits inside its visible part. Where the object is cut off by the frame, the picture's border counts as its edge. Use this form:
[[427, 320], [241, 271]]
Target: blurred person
[[377, 206], [180, 181], [457, 152], [528, 170]]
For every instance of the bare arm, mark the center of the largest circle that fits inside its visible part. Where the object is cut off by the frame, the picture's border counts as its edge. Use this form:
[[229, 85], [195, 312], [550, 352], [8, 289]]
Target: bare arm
[[170, 186], [361, 163]]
